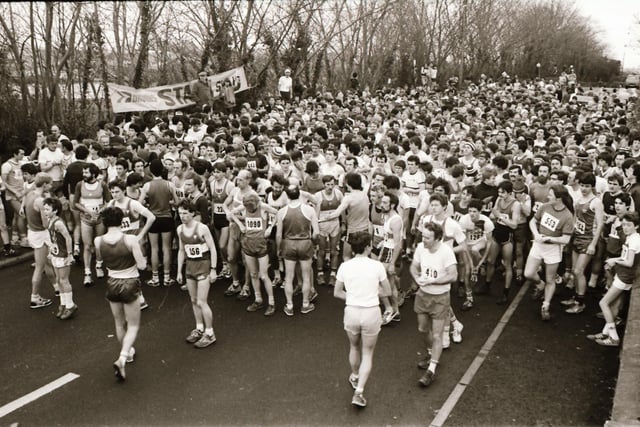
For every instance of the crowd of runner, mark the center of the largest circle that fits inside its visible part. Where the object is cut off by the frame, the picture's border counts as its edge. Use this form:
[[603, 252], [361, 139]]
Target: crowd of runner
[[467, 190]]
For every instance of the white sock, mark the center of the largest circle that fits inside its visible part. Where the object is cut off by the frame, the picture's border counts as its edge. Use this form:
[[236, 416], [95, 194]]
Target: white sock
[[432, 366], [70, 302], [611, 331], [208, 331], [200, 326]]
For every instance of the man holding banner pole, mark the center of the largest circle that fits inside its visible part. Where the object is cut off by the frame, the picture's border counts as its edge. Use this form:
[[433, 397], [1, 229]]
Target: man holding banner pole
[[201, 91]]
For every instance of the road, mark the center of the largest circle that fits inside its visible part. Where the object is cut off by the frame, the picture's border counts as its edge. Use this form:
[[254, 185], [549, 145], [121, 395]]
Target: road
[[292, 370]]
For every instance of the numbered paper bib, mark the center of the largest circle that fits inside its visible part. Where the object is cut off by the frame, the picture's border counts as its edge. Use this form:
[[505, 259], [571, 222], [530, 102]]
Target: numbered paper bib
[[180, 193], [217, 209], [474, 235], [580, 227], [549, 221], [457, 216], [504, 217], [93, 205], [196, 251], [128, 225], [253, 224], [625, 251], [378, 230], [251, 164]]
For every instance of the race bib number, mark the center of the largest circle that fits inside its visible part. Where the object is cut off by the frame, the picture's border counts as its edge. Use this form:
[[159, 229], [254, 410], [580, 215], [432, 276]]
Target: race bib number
[[504, 217], [487, 206], [195, 251], [252, 165], [53, 249], [625, 251], [457, 216], [475, 235], [378, 230], [125, 225], [536, 206], [580, 227], [549, 221], [430, 272], [217, 209], [180, 193], [614, 233], [253, 224]]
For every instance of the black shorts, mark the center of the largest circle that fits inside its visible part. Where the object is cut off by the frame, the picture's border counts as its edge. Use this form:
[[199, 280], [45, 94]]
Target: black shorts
[[162, 225], [521, 233], [220, 221], [123, 290], [502, 236]]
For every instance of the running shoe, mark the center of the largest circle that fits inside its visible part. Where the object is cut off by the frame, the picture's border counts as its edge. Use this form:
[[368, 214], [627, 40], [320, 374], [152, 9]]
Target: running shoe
[[545, 314], [255, 306], [194, 336], [277, 282], [132, 355], [205, 341], [608, 341], [387, 317], [168, 281], [225, 272], [76, 255], [88, 281], [184, 287], [456, 332], [307, 308], [10, 252], [569, 302], [538, 292], [396, 317], [321, 280], [99, 273], [427, 379], [598, 336], [60, 311], [353, 380], [153, 282], [332, 278], [40, 302], [358, 400], [244, 294], [446, 340], [270, 311], [118, 368], [577, 308], [467, 305], [424, 362], [313, 296], [144, 305], [233, 289], [68, 312], [288, 311]]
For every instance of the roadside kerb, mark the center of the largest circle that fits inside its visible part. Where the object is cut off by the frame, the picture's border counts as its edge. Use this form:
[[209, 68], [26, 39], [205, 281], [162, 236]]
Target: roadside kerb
[[18, 259]]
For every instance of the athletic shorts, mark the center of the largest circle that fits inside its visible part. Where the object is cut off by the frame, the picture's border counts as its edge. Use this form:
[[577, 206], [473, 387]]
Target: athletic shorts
[[580, 244], [198, 269], [37, 239], [123, 290], [59, 262], [89, 220], [501, 236], [253, 247], [435, 306], [220, 221], [521, 233], [297, 250], [362, 320], [549, 253], [386, 255], [619, 284], [162, 225], [329, 228], [375, 250]]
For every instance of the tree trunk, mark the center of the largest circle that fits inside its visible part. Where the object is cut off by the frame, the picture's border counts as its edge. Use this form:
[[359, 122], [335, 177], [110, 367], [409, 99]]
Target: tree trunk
[[143, 55]]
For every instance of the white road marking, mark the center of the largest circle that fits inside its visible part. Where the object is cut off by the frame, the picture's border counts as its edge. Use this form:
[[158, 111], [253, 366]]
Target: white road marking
[[456, 394], [37, 394]]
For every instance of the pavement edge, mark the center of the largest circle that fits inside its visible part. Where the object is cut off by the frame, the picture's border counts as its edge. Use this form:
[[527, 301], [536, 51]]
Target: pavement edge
[[18, 259], [626, 410]]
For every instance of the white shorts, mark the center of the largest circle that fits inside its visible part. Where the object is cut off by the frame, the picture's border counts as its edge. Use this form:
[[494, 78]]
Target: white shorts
[[362, 320], [59, 262], [549, 253], [37, 239], [619, 284]]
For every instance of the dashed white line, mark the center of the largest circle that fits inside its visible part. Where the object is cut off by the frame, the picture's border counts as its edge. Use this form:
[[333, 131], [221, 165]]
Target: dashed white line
[[37, 394], [456, 394]]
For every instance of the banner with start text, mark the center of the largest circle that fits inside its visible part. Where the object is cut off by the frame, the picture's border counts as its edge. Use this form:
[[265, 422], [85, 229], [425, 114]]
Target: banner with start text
[[171, 97]]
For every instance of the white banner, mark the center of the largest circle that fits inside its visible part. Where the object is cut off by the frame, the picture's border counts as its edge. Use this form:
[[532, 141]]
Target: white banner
[[171, 97]]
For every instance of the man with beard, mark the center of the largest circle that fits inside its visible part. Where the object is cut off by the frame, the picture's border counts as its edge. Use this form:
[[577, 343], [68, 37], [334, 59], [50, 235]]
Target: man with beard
[[539, 189], [277, 199], [89, 198], [391, 245]]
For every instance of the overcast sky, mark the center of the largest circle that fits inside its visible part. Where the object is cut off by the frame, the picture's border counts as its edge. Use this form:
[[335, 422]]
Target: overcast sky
[[618, 23]]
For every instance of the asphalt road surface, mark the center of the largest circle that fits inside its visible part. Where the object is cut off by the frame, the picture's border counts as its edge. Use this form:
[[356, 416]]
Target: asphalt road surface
[[293, 370]]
